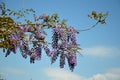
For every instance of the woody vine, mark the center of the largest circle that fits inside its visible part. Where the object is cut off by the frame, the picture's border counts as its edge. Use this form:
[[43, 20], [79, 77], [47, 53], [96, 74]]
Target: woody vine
[[30, 37]]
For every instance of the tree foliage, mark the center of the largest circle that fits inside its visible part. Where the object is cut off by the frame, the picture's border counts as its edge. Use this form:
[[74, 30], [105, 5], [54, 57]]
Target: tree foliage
[[30, 37]]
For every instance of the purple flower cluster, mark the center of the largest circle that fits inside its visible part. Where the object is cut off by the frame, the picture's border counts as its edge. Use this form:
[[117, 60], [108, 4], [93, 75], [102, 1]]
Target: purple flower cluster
[[57, 35], [64, 42], [71, 60], [23, 37], [54, 56], [62, 60], [47, 50], [37, 37], [30, 39], [36, 54], [55, 40], [14, 42], [24, 48]]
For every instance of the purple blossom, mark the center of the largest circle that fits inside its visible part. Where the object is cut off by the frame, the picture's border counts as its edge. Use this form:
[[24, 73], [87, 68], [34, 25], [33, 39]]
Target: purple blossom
[[47, 50], [36, 54], [55, 40], [14, 42], [62, 60], [54, 55], [39, 34], [25, 50], [71, 35], [58, 30], [71, 60], [28, 52], [73, 39], [63, 46], [64, 40], [38, 51]]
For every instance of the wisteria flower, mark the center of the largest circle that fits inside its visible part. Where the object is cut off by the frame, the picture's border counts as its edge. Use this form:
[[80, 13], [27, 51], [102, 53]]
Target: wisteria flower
[[54, 56], [47, 50], [62, 60], [71, 61]]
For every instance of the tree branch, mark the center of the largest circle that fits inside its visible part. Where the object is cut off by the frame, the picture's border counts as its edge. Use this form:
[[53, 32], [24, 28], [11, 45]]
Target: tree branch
[[90, 27]]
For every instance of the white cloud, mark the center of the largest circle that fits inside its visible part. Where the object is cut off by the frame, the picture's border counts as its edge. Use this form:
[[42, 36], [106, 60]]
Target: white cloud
[[11, 70], [113, 74], [61, 74], [114, 70], [107, 76], [101, 51]]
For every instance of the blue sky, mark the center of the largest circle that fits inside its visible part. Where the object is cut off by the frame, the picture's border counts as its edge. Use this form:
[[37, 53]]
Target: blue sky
[[101, 45]]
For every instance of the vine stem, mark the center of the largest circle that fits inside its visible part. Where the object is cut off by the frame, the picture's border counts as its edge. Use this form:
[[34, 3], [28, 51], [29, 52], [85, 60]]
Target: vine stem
[[89, 27], [93, 25]]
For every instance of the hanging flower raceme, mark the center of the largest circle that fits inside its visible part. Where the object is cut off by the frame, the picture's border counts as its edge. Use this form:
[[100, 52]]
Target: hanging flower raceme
[[54, 55], [24, 48], [13, 42], [35, 37], [71, 60], [64, 44], [62, 60], [36, 54], [47, 50]]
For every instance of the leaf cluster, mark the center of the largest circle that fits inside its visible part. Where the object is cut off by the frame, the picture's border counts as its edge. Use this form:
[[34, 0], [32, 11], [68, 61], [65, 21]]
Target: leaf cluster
[[99, 17]]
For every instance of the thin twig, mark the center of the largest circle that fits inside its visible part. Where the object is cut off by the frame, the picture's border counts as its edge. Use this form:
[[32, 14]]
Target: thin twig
[[89, 27]]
